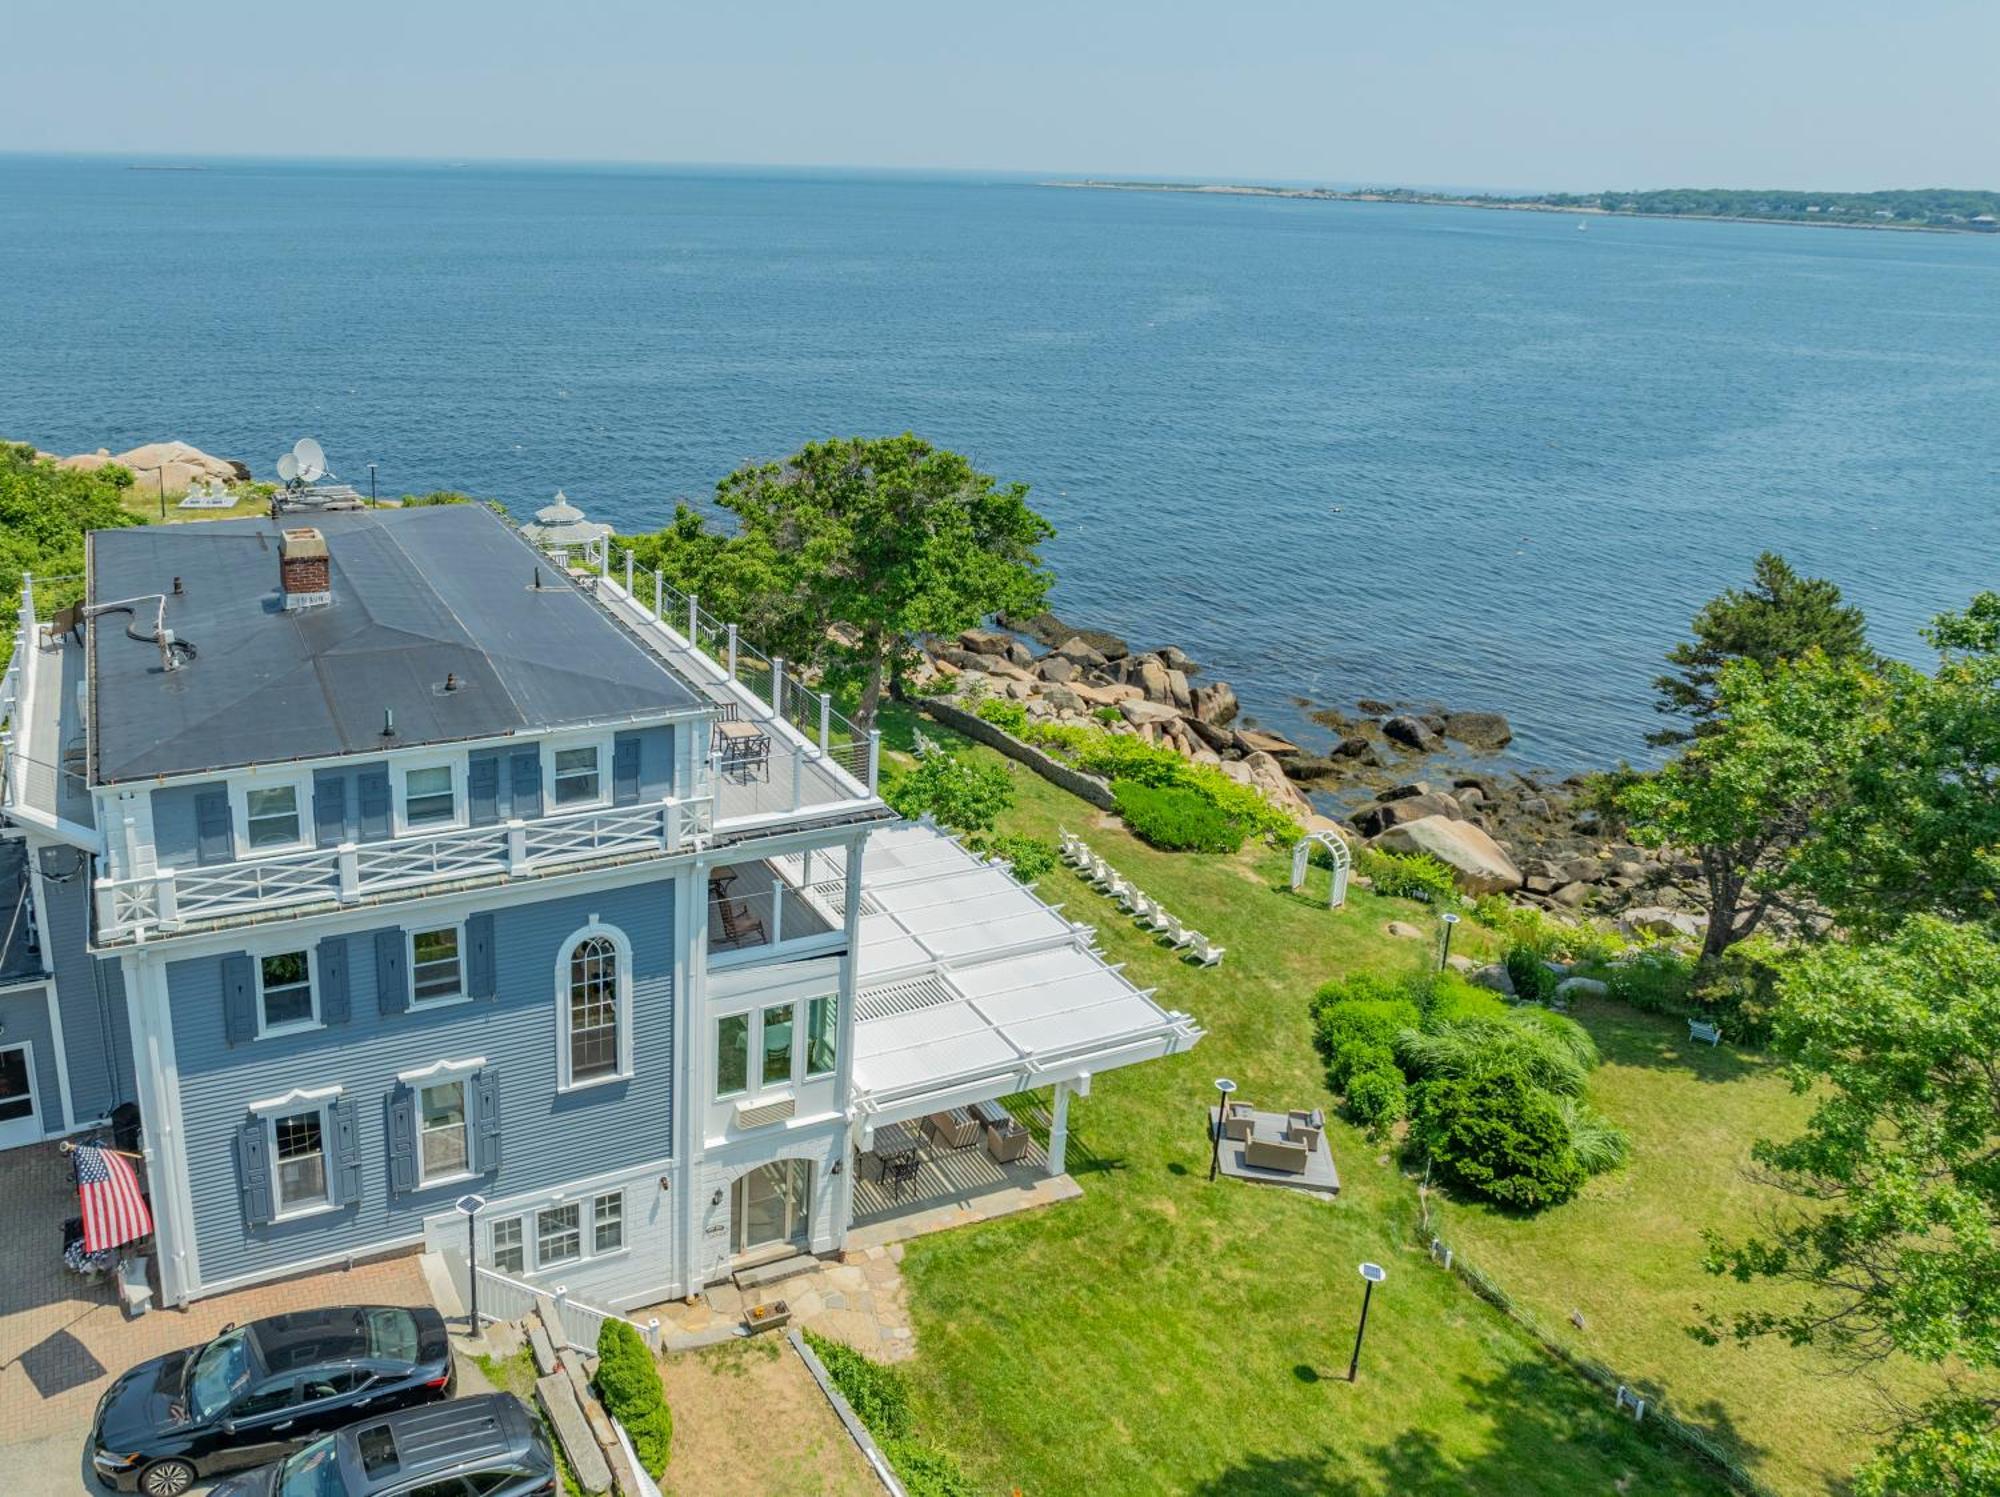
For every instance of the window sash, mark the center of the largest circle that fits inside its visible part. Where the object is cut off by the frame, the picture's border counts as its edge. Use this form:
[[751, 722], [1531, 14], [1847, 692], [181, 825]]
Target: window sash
[[607, 1223], [558, 1235], [428, 795], [271, 816], [299, 1151], [732, 1055], [593, 1010], [576, 776], [444, 1144], [778, 1037], [435, 972], [508, 1246], [285, 995], [822, 1035]]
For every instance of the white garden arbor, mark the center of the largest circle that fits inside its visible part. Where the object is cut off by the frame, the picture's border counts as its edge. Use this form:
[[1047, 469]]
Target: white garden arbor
[[1336, 847]]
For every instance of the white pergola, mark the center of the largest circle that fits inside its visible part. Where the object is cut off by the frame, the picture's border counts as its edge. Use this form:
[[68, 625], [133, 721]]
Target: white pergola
[[1336, 846], [971, 989]]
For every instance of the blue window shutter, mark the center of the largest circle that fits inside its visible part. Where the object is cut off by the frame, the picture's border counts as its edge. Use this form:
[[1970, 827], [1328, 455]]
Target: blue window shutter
[[333, 999], [525, 780], [239, 999], [486, 1120], [372, 790], [253, 1167], [479, 970], [392, 972], [215, 840], [346, 1153], [330, 809], [402, 1140], [482, 789], [625, 770]]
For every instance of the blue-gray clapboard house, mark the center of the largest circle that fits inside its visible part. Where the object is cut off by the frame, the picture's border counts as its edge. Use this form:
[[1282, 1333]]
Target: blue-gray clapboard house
[[381, 859]]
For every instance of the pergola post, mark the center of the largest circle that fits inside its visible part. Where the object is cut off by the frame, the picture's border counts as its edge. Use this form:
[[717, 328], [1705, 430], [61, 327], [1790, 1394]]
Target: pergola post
[[1059, 1128]]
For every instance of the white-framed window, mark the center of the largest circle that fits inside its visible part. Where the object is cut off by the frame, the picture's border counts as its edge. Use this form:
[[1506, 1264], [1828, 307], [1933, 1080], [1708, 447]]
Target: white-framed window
[[607, 1223], [437, 965], [430, 795], [822, 1035], [299, 1178], [578, 777], [558, 1234], [777, 1033], [594, 1007], [507, 1245], [271, 814], [286, 997], [732, 1055], [444, 1142]]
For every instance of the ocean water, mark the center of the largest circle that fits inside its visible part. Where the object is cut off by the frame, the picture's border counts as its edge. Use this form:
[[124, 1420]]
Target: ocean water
[[1332, 450]]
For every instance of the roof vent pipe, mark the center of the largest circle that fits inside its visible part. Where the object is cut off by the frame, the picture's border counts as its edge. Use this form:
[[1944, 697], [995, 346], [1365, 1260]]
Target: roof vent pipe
[[388, 722]]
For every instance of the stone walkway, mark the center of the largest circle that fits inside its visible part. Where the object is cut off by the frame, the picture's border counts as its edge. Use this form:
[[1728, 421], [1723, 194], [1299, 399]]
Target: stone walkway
[[858, 1299]]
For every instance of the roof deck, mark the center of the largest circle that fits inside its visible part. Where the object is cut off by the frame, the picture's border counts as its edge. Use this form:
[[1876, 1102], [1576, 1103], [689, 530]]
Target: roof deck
[[41, 705], [972, 988]]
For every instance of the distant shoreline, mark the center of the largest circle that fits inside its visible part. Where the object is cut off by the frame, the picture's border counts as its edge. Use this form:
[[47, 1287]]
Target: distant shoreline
[[1510, 205]]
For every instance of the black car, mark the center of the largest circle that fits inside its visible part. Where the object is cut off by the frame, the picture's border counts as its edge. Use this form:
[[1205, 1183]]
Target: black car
[[470, 1447], [260, 1391]]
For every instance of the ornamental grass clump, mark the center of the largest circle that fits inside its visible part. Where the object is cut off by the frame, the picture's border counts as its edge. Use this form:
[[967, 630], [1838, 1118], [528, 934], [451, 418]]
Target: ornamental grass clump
[[629, 1385]]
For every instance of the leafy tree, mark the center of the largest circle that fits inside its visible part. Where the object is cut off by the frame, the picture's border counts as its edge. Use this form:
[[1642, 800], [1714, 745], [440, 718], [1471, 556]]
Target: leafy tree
[[964, 794], [739, 579], [1779, 617], [1893, 1237], [1746, 794], [889, 537], [1919, 827], [44, 512]]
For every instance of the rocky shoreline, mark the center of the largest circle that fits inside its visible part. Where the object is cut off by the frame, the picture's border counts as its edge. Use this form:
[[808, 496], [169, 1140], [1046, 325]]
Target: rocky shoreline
[[1397, 772]]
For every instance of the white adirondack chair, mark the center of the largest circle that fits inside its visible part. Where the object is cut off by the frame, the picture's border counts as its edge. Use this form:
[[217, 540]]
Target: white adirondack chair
[[1177, 934], [1205, 951], [1155, 917]]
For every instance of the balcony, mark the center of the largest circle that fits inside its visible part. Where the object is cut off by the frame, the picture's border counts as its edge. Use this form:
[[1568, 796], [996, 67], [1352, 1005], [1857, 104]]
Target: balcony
[[775, 909], [176, 898], [42, 731]]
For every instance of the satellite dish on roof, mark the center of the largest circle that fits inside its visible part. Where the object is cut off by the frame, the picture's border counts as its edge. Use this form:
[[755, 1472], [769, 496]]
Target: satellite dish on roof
[[311, 458], [288, 467]]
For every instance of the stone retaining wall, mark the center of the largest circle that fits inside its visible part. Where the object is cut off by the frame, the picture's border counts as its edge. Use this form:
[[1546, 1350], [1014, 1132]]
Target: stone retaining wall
[[1067, 776]]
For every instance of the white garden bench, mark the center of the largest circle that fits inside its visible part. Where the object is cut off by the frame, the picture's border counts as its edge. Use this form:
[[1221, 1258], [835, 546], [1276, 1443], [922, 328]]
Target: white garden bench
[[1700, 1031]]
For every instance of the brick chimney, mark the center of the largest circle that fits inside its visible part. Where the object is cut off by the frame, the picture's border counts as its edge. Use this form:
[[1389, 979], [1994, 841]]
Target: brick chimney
[[305, 576]]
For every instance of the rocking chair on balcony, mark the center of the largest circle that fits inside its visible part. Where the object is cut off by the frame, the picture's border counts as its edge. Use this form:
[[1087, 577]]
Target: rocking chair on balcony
[[740, 925]]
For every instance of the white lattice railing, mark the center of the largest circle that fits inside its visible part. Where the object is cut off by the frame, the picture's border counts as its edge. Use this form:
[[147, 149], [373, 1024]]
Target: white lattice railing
[[171, 897]]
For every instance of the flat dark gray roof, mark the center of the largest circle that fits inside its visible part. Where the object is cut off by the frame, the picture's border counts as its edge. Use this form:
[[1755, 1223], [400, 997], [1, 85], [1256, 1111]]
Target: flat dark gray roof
[[418, 594]]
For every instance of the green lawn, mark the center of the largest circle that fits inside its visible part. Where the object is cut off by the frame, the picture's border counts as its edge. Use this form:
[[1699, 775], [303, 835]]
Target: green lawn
[[1165, 1334]]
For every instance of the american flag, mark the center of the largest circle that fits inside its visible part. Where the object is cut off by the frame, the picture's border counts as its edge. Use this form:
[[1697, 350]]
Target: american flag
[[114, 1213]]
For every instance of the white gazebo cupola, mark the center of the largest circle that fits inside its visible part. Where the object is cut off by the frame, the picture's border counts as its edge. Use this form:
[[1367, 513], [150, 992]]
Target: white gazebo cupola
[[559, 528]]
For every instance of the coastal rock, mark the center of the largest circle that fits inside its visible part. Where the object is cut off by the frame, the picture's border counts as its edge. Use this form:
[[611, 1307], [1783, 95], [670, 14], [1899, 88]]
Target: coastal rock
[[1402, 930], [1479, 863], [1571, 896], [1269, 778], [1496, 979], [1357, 747], [985, 641], [1178, 692], [1061, 697], [1176, 659], [1217, 738], [1150, 676], [1582, 987], [1081, 653], [1657, 920], [1258, 741], [1480, 730], [176, 466], [1310, 767], [1406, 790], [1056, 668], [1375, 819], [1143, 713], [1411, 733], [1375, 707], [1104, 696], [1215, 703]]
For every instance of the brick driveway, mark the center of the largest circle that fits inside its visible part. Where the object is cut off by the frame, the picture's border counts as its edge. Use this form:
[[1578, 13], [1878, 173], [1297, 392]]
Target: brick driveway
[[62, 1340]]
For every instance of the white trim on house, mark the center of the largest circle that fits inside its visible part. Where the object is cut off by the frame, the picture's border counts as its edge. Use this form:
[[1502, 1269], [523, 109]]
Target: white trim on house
[[410, 934], [35, 1131], [298, 1099], [239, 787], [622, 1009], [442, 1070], [553, 744], [400, 824], [156, 1073]]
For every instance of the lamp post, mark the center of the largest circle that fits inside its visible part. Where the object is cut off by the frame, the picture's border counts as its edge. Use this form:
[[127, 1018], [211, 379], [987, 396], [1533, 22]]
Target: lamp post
[[1225, 1086], [469, 1207], [371, 485], [1444, 951], [1371, 1275]]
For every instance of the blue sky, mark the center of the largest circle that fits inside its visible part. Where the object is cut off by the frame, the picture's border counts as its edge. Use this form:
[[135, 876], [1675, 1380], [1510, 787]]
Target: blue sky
[[1529, 94]]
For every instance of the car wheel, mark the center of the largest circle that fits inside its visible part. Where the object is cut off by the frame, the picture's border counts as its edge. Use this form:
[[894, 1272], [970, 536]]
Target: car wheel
[[166, 1479]]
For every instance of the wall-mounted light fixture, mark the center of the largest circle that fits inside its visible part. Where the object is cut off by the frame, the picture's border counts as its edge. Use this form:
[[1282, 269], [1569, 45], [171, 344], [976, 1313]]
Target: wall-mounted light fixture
[[665, 1183], [716, 1199], [838, 1165]]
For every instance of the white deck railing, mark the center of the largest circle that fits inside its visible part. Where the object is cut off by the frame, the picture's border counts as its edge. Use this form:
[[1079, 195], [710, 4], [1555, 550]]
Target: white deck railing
[[171, 897], [570, 1322]]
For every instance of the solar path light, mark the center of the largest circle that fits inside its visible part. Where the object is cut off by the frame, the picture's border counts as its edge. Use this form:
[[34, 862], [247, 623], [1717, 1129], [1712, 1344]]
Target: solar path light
[[1225, 1086], [1371, 1275]]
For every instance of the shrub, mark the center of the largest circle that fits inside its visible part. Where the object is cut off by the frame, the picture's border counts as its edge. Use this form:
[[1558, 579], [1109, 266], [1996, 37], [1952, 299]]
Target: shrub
[[1524, 925], [1351, 1058], [877, 1393], [1410, 875], [1062, 738], [1108, 715], [1009, 716], [926, 1471], [1447, 998], [965, 795], [1030, 857], [1377, 1098], [1243, 802], [629, 1385], [1175, 819], [1476, 1047], [1498, 1135], [1532, 979], [1125, 756], [1370, 1021]]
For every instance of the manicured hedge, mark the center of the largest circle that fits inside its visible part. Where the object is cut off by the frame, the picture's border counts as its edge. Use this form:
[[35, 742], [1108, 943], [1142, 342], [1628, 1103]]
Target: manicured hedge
[[1174, 818], [629, 1385]]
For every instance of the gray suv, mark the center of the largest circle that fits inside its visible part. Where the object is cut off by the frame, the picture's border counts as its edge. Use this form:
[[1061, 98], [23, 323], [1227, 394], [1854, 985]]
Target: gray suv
[[489, 1446]]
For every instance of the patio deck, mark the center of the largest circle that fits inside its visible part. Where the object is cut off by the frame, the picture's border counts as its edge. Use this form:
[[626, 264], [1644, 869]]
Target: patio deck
[[1320, 1177], [953, 1187]]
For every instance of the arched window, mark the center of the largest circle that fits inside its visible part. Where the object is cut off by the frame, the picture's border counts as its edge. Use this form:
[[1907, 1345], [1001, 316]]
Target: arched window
[[593, 985]]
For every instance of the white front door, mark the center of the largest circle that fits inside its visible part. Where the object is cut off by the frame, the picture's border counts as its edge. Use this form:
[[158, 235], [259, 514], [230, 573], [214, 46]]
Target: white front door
[[20, 1122]]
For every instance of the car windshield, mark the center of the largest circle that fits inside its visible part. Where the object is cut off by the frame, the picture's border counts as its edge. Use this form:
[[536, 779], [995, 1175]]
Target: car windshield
[[392, 1335], [313, 1472], [220, 1373]]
